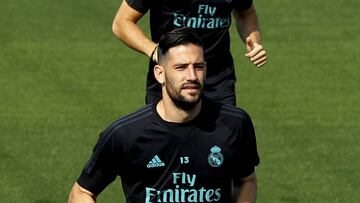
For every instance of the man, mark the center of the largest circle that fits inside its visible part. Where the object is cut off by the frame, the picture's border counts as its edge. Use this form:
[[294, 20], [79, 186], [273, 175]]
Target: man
[[211, 20], [183, 148]]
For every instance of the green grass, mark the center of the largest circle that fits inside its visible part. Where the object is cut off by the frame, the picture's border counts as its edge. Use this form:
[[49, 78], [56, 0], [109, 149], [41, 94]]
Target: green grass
[[64, 77]]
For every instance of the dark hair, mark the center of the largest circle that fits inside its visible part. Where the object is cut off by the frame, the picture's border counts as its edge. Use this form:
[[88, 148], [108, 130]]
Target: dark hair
[[177, 37]]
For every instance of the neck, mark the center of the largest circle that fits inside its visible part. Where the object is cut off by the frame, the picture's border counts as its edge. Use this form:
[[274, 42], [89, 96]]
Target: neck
[[171, 113]]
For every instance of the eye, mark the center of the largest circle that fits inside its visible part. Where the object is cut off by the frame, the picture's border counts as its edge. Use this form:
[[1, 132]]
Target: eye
[[199, 66], [180, 66]]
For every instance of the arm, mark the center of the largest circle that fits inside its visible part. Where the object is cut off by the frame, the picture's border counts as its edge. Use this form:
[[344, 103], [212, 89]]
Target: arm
[[249, 31], [126, 29], [79, 194], [247, 190]]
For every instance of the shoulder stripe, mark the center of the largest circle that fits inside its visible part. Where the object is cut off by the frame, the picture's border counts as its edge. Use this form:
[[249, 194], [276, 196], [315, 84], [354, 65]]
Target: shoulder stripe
[[141, 113], [234, 111], [133, 115]]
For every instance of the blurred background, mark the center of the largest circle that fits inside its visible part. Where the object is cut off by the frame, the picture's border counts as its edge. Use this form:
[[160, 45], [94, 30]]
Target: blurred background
[[64, 77]]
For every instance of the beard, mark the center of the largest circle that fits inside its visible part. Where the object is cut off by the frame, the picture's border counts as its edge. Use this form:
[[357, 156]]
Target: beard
[[178, 99]]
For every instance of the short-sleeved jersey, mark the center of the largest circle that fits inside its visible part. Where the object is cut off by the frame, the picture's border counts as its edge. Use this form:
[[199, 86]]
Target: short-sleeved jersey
[[211, 20], [160, 161]]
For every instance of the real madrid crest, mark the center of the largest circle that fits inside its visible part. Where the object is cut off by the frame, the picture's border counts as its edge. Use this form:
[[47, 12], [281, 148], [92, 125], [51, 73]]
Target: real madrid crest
[[215, 158]]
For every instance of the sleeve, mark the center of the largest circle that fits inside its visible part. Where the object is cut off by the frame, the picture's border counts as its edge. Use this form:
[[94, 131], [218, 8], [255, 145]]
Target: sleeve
[[140, 5], [247, 151], [241, 5], [102, 167]]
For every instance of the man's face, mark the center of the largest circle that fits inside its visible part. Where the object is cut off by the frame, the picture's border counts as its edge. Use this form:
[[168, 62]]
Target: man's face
[[185, 71]]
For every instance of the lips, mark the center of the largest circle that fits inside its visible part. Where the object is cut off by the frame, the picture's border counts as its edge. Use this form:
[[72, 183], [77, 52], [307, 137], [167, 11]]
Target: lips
[[191, 89], [191, 86]]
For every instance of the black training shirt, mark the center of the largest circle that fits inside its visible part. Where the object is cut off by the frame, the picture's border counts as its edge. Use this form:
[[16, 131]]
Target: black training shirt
[[160, 161]]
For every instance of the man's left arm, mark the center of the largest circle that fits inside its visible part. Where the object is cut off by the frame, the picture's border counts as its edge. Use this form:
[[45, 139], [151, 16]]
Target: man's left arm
[[247, 189], [249, 31]]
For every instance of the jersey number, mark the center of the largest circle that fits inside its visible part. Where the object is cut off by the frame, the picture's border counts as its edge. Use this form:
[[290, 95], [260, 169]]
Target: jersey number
[[184, 160]]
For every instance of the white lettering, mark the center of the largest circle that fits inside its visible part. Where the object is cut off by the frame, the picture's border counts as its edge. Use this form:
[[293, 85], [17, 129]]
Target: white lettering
[[206, 9], [212, 10], [191, 179], [201, 8], [175, 178], [149, 194], [178, 19], [181, 191]]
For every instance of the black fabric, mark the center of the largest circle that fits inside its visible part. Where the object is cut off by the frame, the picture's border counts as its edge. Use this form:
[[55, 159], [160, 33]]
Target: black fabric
[[211, 20], [201, 156]]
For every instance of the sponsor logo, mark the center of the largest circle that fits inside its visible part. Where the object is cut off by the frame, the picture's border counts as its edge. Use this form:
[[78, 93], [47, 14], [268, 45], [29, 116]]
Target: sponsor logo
[[184, 190], [206, 18], [155, 162]]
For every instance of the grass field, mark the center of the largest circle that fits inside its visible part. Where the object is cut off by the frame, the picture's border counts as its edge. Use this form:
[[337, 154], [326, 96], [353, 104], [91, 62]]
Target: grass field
[[64, 77]]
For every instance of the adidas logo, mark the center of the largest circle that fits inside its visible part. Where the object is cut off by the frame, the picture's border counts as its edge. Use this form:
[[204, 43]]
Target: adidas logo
[[155, 162]]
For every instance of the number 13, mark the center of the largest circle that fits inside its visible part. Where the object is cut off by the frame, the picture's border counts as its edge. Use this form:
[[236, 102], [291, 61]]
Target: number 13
[[184, 160]]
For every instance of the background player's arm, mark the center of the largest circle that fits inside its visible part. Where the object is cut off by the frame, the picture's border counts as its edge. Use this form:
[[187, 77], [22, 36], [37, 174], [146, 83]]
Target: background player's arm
[[79, 194], [247, 190], [125, 28], [249, 31]]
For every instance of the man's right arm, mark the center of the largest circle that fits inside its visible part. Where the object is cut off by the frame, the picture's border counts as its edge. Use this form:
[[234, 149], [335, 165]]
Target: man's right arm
[[79, 194], [247, 189], [126, 29]]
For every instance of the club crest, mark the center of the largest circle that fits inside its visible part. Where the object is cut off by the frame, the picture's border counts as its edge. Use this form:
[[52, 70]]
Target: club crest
[[215, 158]]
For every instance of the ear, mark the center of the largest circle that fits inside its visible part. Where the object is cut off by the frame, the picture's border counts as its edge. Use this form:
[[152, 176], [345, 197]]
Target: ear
[[159, 74]]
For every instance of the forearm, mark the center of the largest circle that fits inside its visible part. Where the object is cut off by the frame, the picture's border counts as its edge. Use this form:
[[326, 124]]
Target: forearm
[[134, 38], [80, 195], [126, 29], [247, 190], [247, 24]]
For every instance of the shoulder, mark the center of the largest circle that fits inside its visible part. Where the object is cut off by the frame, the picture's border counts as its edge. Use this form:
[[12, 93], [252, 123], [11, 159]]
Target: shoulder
[[242, 5], [133, 119], [125, 125], [233, 118], [228, 111], [234, 111], [139, 5]]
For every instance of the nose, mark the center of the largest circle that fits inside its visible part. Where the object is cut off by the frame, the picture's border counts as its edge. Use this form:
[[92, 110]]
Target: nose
[[190, 73]]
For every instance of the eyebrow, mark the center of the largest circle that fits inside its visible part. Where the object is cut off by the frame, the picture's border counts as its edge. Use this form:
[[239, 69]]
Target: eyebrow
[[201, 63], [182, 64]]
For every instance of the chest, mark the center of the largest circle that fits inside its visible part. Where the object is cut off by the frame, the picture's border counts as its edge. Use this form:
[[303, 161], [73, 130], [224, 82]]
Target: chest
[[194, 158]]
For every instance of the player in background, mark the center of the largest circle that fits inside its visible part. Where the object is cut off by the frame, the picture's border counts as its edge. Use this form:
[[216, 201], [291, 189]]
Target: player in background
[[211, 20], [183, 148]]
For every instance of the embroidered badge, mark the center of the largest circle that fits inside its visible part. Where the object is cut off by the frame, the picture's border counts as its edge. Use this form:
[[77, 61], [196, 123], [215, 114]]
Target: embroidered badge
[[215, 158]]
